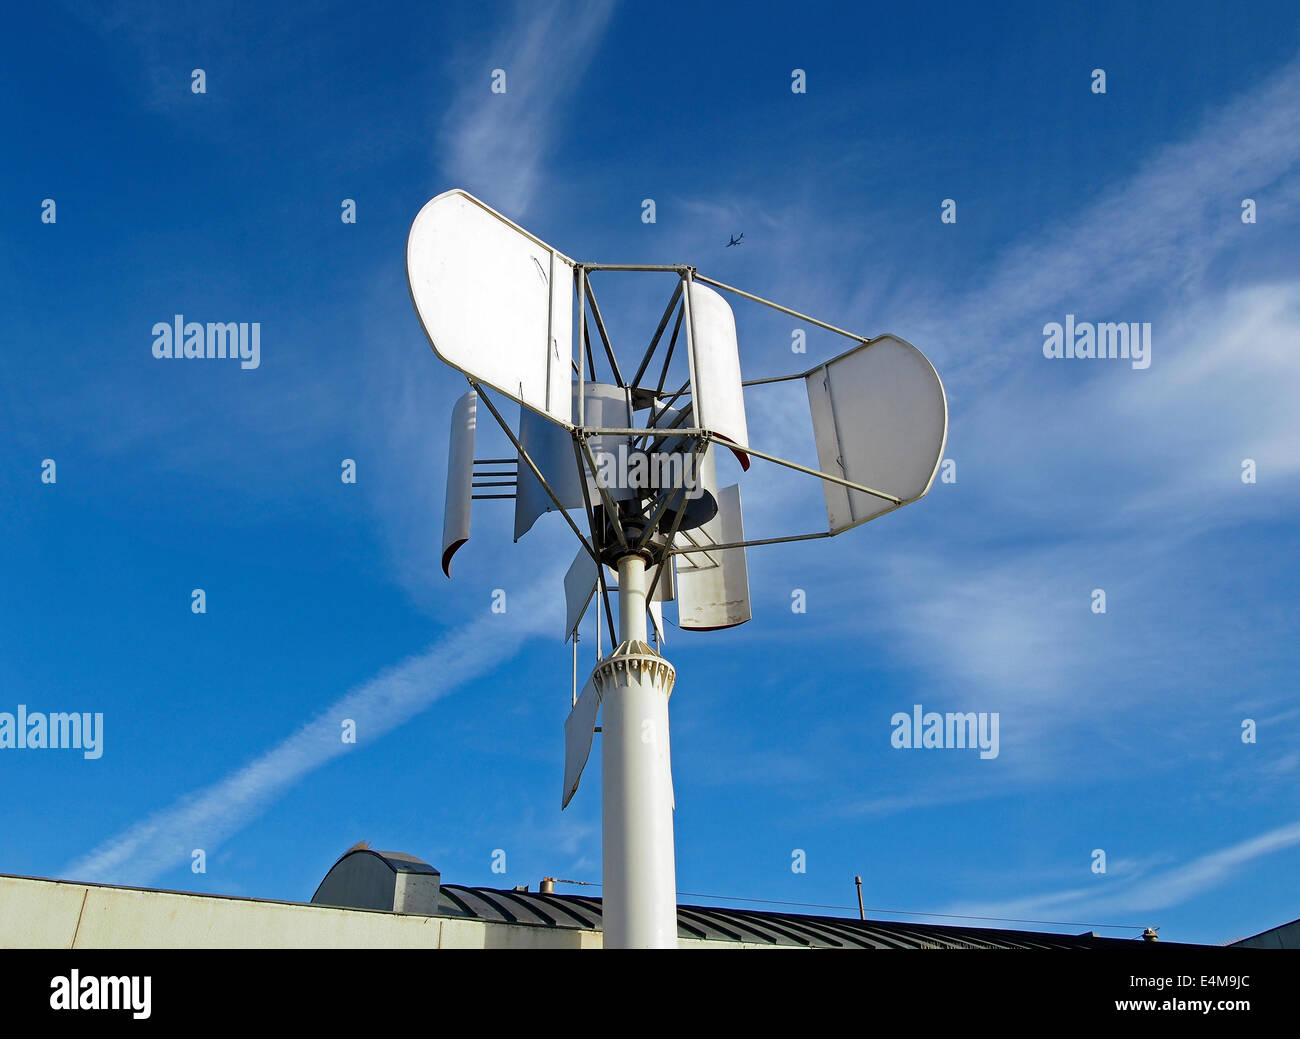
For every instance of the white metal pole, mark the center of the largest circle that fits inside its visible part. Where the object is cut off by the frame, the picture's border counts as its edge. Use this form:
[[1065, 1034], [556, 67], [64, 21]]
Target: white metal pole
[[640, 874]]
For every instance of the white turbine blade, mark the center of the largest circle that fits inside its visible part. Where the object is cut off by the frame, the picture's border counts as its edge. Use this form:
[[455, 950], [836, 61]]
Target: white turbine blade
[[657, 619], [460, 477], [668, 419], [707, 534], [666, 588], [579, 730], [719, 403], [495, 301], [551, 449], [880, 419], [607, 406], [671, 462], [716, 594], [579, 586]]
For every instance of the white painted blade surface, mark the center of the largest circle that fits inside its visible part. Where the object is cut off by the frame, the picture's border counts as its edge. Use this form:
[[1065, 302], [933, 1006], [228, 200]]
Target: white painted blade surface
[[713, 586], [605, 405], [720, 400], [495, 301], [460, 477], [880, 419], [579, 731], [656, 610], [551, 448], [579, 586]]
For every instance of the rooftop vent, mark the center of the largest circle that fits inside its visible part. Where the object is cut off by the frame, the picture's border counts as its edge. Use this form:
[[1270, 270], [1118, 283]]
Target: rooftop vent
[[388, 881]]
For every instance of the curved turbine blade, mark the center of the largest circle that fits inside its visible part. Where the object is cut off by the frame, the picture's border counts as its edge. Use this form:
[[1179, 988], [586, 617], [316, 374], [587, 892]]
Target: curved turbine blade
[[880, 419], [460, 477], [712, 584], [719, 404], [579, 730], [495, 301]]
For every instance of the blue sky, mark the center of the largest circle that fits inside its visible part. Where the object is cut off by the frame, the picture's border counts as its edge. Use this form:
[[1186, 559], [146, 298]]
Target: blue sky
[[1119, 731]]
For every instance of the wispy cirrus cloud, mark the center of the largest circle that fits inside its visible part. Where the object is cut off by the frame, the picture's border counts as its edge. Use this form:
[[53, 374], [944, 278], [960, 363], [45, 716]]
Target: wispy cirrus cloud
[[494, 143], [1146, 890], [1158, 236], [1071, 478]]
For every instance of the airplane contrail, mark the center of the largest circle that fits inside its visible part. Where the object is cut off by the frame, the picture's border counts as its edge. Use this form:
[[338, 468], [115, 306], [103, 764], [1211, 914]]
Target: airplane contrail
[[207, 817]]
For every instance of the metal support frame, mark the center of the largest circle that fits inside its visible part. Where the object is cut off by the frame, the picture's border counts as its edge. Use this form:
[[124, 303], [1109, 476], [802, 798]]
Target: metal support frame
[[654, 341], [591, 358], [580, 279], [659, 431], [528, 459], [658, 413], [784, 310], [611, 508], [818, 473], [672, 345], [704, 550], [672, 534], [637, 814], [775, 378], [689, 311], [662, 507], [699, 548], [604, 336], [677, 268]]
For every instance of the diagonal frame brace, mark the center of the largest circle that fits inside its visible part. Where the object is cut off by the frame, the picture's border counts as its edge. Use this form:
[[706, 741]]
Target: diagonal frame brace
[[532, 466], [604, 336], [596, 541]]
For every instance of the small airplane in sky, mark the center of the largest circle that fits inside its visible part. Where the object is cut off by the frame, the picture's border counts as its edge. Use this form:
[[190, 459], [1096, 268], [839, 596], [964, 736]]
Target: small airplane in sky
[[735, 240]]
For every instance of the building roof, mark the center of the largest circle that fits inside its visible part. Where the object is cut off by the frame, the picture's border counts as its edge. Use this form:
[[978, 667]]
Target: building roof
[[412, 910], [1284, 936], [366, 878], [757, 927]]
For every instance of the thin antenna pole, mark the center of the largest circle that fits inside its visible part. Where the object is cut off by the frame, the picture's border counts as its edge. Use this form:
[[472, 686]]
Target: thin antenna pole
[[574, 701], [597, 541], [604, 596], [862, 913]]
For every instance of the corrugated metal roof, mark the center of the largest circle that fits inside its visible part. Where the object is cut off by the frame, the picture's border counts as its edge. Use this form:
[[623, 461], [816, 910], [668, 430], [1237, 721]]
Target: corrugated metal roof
[[757, 927]]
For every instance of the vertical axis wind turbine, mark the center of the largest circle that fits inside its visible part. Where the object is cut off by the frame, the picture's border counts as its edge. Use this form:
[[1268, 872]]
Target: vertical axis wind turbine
[[511, 314]]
